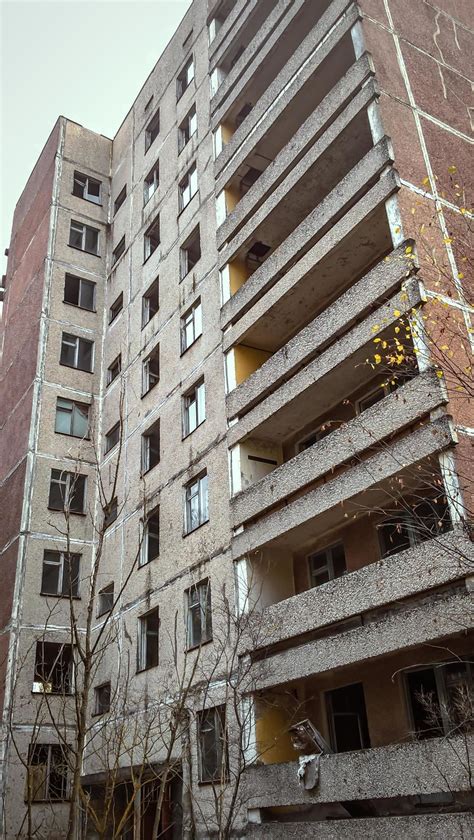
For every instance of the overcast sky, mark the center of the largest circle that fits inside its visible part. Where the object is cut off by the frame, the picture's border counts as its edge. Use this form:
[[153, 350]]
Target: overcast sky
[[86, 60]]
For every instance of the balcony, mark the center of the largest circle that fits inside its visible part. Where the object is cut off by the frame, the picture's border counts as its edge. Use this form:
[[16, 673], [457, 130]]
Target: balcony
[[435, 826], [383, 773], [315, 66]]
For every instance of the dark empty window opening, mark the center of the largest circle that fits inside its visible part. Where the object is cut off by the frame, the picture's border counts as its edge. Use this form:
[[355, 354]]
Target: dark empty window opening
[[212, 744], [185, 78], [116, 308], [188, 187], [187, 128], [190, 253], [243, 113], [439, 698], [110, 512], [148, 640], [79, 292], [60, 574], [151, 538], [53, 668], [249, 179], [84, 238], [87, 188], [152, 130], [412, 524], [151, 239], [118, 250], [151, 447], [347, 718], [112, 437], [327, 564], [114, 369], [76, 352], [102, 699], [257, 255], [151, 370], [150, 302], [151, 183], [120, 199], [105, 601], [47, 773], [67, 491]]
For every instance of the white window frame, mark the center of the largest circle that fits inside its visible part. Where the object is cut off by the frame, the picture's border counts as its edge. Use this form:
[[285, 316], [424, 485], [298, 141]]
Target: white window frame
[[327, 567], [146, 447], [60, 562], [147, 384], [84, 180], [199, 600], [82, 282], [144, 558], [104, 604], [76, 343], [81, 228], [151, 184], [196, 499], [146, 317], [185, 77], [188, 187], [71, 413], [116, 362], [191, 322], [143, 634], [194, 408], [187, 129]]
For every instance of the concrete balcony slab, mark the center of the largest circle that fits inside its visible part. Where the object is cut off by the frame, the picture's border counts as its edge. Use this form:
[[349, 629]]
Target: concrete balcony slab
[[416, 827]]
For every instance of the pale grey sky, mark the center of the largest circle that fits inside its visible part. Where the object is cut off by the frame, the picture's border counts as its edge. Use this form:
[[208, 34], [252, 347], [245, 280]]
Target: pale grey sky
[[86, 60]]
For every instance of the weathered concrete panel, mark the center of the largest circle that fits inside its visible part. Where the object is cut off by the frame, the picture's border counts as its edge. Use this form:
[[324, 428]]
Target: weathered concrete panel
[[418, 827]]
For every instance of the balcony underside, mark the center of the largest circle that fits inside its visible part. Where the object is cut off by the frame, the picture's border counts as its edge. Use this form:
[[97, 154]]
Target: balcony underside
[[417, 827]]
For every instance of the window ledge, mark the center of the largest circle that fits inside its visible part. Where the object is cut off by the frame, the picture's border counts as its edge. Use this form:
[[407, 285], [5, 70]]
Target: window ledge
[[78, 305], [200, 645], [61, 510], [71, 367], [188, 533], [194, 430], [83, 251], [58, 595], [190, 345], [67, 434]]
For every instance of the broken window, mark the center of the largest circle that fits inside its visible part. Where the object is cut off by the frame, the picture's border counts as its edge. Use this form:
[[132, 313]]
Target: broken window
[[67, 491], [151, 239], [440, 698], [116, 308], [102, 699], [151, 447], [188, 187], [185, 78], [151, 370], [87, 187], [191, 325], [79, 292], [148, 640], [53, 668], [150, 302], [72, 418], [151, 182], [199, 615], [327, 564], [114, 369], [190, 253], [152, 130], [194, 408], [187, 128], [118, 251], [60, 574], [112, 437], [151, 538], [47, 773], [106, 599], [413, 523], [76, 352], [347, 718], [196, 503], [212, 744], [110, 512], [120, 199], [84, 237]]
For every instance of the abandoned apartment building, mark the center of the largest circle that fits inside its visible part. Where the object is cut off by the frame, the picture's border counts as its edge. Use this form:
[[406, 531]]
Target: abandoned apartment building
[[220, 403]]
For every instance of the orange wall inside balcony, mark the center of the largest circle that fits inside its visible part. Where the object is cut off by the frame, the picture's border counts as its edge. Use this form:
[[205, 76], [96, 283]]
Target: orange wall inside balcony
[[248, 360]]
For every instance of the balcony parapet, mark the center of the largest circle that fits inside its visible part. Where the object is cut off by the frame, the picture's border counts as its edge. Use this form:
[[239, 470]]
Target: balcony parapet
[[347, 487], [326, 328], [456, 826], [321, 40], [433, 563], [428, 620], [310, 230], [231, 26], [398, 770]]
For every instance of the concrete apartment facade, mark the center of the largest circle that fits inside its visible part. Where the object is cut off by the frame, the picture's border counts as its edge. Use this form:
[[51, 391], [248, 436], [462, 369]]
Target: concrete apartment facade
[[191, 322]]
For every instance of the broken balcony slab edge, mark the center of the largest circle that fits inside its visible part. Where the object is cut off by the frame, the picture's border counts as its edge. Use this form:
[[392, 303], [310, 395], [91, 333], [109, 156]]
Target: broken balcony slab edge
[[350, 343], [237, 320], [399, 409], [322, 39], [431, 564], [347, 487], [311, 141], [455, 826], [326, 327], [428, 620]]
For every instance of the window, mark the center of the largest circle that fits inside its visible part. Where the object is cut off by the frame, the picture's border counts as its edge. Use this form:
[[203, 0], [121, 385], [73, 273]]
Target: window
[[194, 408], [53, 668], [257, 255], [60, 574], [120, 199], [187, 128], [190, 253], [347, 718], [327, 565], [188, 187], [151, 370], [84, 238], [191, 325], [150, 302], [114, 369], [371, 398], [118, 250], [106, 600], [116, 307], [72, 418], [79, 292], [46, 773], [152, 130], [151, 538], [407, 527], [67, 491], [151, 239], [212, 744], [197, 512], [199, 615], [112, 437], [439, 698], [86, 187], [151, 183], [76, 352], [148, 629], [102, 699], [151, 447], [185, 78], [110, 512]]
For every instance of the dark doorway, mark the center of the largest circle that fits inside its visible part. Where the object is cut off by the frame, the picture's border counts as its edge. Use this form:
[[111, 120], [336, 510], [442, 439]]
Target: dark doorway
[[347, 718]]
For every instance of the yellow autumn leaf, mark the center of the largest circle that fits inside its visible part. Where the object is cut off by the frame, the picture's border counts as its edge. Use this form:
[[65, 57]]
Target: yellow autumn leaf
[[439, 374], [425, 181], [396, 313], [377, 359], [452, 169]]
